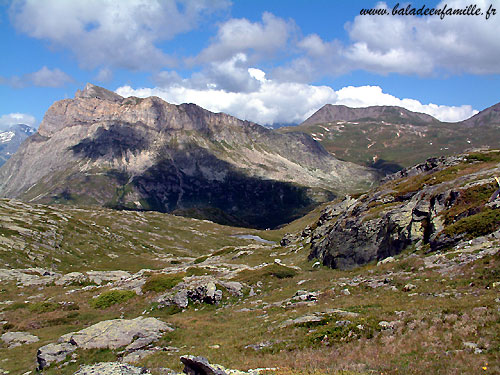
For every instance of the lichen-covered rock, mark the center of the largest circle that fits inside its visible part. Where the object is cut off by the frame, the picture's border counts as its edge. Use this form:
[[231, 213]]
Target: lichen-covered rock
[[111, 368], [53, 353], [118, 333], [13, 339], [132, 334], [414, 207], [199, 289]]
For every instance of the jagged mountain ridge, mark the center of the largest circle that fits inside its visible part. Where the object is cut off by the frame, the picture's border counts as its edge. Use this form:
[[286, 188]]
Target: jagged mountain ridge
[[390, 138], [100, 148], [11, 139]]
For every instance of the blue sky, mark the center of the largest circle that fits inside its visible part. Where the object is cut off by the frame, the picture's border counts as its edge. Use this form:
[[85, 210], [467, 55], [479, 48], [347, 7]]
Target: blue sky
[[265, 61]]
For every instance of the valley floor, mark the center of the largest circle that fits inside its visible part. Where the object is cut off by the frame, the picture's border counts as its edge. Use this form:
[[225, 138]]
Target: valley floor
[[417, 313]]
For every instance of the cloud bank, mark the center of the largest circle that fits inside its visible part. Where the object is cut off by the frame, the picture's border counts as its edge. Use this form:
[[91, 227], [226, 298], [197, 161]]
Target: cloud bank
[[44, 77], [272, 101], [116, 33]]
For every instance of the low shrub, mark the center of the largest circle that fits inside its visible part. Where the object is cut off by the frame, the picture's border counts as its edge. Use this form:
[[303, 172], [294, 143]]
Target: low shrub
[[162, 281], [480, 224], [111, 297]]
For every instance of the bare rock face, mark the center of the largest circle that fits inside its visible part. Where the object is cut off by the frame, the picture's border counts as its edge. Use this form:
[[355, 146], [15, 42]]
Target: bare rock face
[[434, 204], [102, 149]]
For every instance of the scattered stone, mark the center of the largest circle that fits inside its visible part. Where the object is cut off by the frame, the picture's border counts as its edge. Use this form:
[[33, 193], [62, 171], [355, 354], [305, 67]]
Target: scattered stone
[[301, 320], [138, 355], [386, 260], [233, 287], [316, 265], [304, 295], [111, 368], [346, 292], [259, 346], [200, 289], [409, 287], [13, 339]]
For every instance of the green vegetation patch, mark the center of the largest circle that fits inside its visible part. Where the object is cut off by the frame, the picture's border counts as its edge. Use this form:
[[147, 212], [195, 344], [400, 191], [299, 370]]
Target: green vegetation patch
[[483, 157], [162, 281], [201, 259], [476, 225], [111, 297], [473, 197], [336, 329], [272, 270]]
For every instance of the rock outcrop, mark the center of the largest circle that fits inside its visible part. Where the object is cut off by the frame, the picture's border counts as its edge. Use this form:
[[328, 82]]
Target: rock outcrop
[[434, 204], [100, 148], [111, 368], [131, 334], [13, 339]]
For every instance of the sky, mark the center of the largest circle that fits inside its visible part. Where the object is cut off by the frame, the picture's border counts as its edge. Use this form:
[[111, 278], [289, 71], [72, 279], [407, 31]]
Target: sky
[[271, 62]]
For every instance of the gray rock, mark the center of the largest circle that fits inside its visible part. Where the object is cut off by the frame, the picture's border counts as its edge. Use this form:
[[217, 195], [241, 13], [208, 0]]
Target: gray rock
[[111, 368], [117, 333], [304, 295], [134, 334], [409, 287], [13, 339], [53, 353], [200, 366], [137, 355], [233, 287], [181, 298]]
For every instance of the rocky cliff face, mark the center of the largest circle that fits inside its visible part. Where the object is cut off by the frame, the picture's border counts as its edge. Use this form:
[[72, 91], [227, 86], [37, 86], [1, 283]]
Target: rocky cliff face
[[100, 148], [430, 206]]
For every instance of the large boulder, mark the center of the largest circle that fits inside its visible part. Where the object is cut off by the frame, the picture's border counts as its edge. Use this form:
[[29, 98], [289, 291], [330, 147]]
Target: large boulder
[[132, 334]]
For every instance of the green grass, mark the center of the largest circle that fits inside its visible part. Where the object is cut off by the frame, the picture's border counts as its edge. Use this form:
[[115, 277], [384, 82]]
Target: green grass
[[272, 270], [161, 282], [476, 225], [112, 297]]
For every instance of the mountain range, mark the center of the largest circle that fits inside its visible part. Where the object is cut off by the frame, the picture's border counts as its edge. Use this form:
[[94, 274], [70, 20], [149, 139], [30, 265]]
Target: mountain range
[[102, 149], [389, 138], [11, 139]]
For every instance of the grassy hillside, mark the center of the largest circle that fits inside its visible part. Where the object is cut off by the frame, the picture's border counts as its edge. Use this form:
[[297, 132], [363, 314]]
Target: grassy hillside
[[391, 146]]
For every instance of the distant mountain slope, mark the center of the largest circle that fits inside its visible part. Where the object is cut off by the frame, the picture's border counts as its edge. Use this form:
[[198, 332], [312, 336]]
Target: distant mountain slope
[[390, 138], [102, 149], [11, 139]]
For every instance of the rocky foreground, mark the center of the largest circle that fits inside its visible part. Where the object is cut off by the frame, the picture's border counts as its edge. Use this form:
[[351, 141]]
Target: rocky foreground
[[143, 292]]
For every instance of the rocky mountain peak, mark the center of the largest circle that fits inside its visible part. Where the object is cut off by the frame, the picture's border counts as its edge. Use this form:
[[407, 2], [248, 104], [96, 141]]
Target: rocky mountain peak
[[332, 113], [93, 91]]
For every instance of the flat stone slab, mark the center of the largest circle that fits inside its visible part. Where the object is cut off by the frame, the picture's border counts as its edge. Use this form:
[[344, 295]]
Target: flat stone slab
[[134, 334], [111, 368], [13, 339]]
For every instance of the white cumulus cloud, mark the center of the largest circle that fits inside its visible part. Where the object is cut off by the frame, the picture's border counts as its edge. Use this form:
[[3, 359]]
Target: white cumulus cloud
[[255, 39], [111, 32], [44, 77], [423, 46], [272, 101]]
